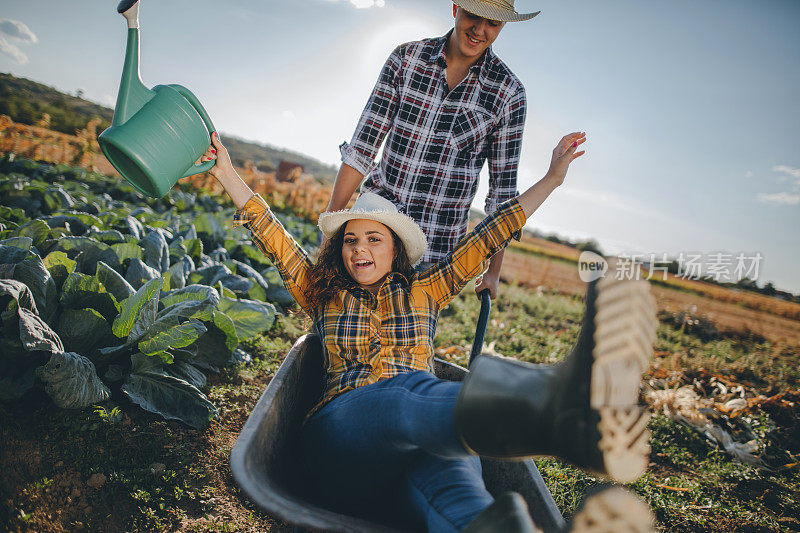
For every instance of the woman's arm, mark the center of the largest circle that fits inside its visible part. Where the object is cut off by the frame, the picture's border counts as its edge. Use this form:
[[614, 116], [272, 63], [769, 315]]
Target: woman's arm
[[225, 174], [267, 232]]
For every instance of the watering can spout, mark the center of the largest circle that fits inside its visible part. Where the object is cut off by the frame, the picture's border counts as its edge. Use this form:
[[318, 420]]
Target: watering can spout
[[157, 135], [132, 92]]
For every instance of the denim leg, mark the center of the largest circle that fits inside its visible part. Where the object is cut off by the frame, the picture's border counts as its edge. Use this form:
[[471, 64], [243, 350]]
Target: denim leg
[[366, 438], [445, 494]]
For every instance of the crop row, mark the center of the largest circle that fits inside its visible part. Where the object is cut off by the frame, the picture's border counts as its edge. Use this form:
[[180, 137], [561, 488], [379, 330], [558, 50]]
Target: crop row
[[104, 291]]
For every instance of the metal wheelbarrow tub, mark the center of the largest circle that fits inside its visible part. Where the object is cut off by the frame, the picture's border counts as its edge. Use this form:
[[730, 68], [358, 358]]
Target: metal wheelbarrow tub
[[265, 460]]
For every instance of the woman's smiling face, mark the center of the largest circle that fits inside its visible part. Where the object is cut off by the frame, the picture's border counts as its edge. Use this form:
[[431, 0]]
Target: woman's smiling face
[[368, 252]]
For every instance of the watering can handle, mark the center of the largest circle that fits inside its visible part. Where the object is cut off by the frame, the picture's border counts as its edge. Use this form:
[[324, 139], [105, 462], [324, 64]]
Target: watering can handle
[[186, 93], [480, 331]]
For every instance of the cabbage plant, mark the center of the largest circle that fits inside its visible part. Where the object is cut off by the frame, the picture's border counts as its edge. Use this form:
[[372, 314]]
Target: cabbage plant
[[105, 292]]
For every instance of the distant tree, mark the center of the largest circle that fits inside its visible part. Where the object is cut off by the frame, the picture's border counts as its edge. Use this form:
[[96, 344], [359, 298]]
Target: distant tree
[[747, 284], [769, 289], [591, 246]]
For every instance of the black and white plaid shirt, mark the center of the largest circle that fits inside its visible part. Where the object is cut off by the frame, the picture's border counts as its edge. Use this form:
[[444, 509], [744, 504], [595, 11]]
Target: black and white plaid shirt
[[439, 139]]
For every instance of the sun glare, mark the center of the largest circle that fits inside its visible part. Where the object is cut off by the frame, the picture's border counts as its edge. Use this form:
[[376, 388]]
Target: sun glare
[[379, 43]]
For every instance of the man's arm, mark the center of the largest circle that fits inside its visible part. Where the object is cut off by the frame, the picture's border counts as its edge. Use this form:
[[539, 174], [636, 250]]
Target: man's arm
[[347, 181], [491, 278], [503, 161]]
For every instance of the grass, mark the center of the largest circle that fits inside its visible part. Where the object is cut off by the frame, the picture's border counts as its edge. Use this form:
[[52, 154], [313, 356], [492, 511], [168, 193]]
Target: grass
[[161, 475], [693, 344], [534, 327], [690, 485]]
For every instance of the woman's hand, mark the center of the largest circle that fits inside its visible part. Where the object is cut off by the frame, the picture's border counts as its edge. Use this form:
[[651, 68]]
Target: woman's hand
[[564, 154], [224, 168], [226, 175]]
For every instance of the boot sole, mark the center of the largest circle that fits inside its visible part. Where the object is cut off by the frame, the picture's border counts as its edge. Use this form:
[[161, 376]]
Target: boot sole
[[625, 329], [613, 510]]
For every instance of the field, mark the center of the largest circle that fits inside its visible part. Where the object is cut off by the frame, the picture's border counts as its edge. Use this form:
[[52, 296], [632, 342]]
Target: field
[[733, 357], [733, 312]]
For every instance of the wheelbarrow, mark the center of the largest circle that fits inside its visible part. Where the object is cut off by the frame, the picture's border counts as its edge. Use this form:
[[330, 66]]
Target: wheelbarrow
[[266, 461]]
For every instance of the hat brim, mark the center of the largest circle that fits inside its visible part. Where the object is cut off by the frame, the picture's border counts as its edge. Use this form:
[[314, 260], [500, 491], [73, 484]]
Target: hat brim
[[404, 226], [492, 12]]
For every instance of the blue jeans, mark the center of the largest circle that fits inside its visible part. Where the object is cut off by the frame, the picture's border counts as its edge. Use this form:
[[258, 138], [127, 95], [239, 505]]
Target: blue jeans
[[395, 440]]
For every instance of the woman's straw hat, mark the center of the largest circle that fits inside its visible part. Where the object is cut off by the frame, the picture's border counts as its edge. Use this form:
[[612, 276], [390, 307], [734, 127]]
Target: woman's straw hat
[[374, 207], [502, 10]]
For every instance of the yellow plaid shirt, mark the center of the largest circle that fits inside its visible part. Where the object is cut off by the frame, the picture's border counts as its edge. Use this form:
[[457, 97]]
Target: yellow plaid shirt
[[369, 337]]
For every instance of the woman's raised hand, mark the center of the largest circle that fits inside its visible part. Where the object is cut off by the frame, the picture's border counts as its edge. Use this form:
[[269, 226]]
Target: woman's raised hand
[[565, 153], [224, 167], [226, 175]]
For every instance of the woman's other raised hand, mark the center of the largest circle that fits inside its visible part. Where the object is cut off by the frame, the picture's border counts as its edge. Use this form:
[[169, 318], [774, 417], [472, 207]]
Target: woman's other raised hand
[[565, 153]]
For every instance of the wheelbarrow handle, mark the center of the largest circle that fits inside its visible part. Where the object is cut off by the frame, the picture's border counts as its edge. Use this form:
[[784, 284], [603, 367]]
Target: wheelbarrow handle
[[483, 319]]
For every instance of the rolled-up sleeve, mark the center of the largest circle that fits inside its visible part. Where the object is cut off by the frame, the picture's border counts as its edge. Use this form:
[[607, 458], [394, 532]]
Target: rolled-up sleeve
[[504, 152], [448, 277], [278, 244], [376, 119]]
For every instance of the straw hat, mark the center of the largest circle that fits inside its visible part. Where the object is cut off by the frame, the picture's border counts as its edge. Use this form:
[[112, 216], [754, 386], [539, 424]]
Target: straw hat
[[502, 10], [374, 207]]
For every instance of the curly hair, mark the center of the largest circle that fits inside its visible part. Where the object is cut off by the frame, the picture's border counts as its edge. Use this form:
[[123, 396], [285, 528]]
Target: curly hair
[[328, 276]]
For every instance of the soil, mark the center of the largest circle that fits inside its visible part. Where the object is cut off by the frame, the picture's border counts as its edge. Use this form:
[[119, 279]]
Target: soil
[[33, 449]]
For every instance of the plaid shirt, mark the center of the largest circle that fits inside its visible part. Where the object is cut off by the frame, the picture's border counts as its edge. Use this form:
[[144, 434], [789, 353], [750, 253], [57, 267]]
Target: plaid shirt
[[438, 139], [366, 337]]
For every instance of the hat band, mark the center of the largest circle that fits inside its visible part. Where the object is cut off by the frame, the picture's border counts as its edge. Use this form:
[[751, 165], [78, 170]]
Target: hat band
[[501, 4]]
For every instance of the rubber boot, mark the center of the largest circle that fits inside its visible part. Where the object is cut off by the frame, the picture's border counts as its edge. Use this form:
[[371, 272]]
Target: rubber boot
[[612, 510], [507, 514], [584, 410]]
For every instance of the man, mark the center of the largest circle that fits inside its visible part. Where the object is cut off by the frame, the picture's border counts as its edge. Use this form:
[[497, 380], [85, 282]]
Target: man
[[444, 106]]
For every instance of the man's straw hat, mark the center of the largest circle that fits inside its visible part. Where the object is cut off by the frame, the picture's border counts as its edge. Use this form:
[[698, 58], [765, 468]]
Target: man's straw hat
[[502, 10], [374, 207]]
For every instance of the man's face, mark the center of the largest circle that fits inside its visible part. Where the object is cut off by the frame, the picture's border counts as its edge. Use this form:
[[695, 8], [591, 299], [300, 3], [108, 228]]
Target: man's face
[[474, 34]]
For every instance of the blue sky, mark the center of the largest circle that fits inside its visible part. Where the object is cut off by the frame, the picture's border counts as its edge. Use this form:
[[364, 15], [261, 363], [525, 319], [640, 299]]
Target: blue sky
[[690, 108]]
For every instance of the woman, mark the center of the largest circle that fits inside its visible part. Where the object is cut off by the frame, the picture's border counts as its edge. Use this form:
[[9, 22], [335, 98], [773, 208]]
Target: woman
[[385, 424]]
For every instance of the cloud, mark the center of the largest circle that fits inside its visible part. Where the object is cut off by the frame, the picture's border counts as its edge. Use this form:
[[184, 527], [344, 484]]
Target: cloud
[[17, 30], [793, 172], [784, 197], [12, 51], [779, 198], [364, 4]]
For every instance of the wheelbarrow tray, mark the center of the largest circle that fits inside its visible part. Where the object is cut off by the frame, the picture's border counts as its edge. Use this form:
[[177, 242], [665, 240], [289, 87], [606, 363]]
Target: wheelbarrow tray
[[265, 460]]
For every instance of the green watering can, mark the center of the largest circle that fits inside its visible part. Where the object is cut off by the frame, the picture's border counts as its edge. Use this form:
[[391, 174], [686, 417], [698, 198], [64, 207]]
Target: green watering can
[[156, 135]]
